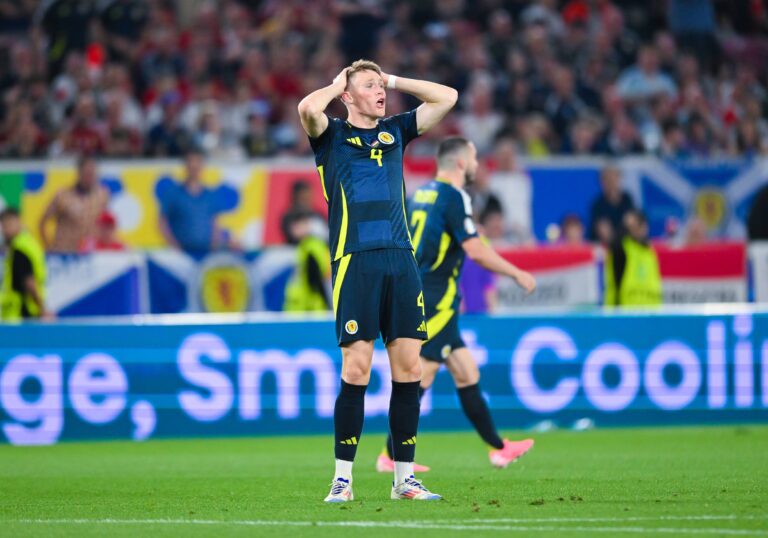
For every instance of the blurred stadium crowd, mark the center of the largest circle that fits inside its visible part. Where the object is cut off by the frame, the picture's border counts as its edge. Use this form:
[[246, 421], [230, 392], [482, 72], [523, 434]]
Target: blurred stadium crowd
[[125, 78]]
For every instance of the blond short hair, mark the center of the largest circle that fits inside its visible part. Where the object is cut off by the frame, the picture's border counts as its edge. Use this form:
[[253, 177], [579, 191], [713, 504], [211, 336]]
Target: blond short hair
[[362, 65]]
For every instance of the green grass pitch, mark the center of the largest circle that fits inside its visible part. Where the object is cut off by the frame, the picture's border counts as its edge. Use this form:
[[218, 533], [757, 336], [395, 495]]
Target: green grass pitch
[[709, 481]]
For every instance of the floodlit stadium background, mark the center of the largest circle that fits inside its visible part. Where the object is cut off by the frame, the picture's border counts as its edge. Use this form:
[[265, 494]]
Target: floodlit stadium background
[[154, 342]]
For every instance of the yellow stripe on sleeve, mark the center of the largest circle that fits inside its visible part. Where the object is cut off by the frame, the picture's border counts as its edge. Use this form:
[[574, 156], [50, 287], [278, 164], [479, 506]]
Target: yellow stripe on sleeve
[[322, 181]]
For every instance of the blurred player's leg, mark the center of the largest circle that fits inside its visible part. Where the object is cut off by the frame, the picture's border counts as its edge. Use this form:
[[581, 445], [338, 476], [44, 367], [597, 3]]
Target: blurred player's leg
[[404, 417], [466, 375], [349, 413]]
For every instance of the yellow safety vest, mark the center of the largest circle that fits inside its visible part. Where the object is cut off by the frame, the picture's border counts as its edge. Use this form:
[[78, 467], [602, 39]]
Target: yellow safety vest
[[299, 295], [641, 282], [12, 302]]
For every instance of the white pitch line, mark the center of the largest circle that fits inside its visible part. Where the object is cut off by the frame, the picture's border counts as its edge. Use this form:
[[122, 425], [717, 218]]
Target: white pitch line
[[397, 524], [603, 519]]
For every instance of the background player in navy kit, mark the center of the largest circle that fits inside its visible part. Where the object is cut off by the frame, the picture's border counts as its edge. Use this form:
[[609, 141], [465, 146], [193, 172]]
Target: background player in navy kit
[[443, 234], [376, 283]]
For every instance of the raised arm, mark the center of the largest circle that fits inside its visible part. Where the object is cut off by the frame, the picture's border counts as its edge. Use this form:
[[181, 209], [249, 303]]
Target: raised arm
[[438, 99], [312, 107], [488, 258]]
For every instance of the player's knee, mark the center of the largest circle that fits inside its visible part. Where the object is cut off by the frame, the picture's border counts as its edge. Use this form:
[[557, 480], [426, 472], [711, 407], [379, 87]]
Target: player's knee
[[406, 371], [413, 370], [356, 374], [465, 378], [356, 370]]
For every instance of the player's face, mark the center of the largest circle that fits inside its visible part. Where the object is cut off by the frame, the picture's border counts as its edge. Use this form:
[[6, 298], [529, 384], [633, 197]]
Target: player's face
[[365, 91]]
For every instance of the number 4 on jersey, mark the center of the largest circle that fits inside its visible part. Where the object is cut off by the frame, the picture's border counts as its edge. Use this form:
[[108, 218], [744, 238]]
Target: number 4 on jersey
[[376, 155]]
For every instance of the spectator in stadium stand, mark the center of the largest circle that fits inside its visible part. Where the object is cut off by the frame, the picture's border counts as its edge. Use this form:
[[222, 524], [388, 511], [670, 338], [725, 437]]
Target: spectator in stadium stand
[[572, 231], [757, 221], [302, 208], [645, 80], [534, 133], [122, 139], [67, 25], [609, 208], [512, 186], [492, 223], [544, 13], [75, 210], [361, 22], [257, 140], [169, 138], [195, 52], [17, 16], [582, 138], [563, 105], [22, 292], [700, 137], [693, 23], [85, 133], [307, 291], [214, 141], [673, 143], [105, 236], [188, 211], [747, 142], [123, 22], [25, 139], [631, 272], [480, 123], [622, 137]]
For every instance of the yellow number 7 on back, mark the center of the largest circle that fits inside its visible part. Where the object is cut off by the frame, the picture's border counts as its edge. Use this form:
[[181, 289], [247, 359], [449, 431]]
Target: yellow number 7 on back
[[418, 220]]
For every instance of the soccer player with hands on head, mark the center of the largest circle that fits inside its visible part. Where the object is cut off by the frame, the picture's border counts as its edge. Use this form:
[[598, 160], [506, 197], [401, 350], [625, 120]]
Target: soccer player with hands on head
[[376, 281]]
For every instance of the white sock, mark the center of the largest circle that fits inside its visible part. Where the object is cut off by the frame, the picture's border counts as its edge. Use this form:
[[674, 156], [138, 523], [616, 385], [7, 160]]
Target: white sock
[[403, 470], [343, 470]]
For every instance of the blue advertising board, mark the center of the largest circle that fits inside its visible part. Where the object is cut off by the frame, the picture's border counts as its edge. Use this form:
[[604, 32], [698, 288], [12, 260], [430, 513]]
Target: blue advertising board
[[166, 377]]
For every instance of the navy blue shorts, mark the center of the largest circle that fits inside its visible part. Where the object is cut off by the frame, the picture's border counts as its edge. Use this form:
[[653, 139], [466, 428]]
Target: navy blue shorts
[[442, 307], [378, 292]]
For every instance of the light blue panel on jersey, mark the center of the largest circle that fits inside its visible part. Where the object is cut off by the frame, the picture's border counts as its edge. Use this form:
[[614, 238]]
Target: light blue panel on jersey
[[375, 186], [121, 381], [374, 230]]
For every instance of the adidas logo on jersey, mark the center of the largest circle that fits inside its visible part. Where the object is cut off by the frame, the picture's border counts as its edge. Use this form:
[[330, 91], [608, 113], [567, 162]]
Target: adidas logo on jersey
[[422, 327], [356, 141]]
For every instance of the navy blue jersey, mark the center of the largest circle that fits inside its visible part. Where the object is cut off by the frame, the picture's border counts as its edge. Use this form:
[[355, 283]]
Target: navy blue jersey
[[441, 220], [362, 175]]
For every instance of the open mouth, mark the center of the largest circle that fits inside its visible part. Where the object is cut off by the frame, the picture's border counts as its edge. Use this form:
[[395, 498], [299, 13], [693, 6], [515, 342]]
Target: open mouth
[[380, 103]]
